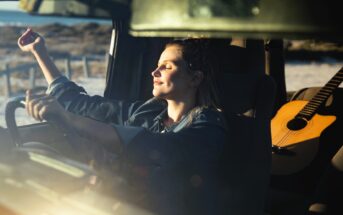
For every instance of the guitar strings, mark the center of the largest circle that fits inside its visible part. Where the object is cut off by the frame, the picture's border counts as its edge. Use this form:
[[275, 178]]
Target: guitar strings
[[283, 139]]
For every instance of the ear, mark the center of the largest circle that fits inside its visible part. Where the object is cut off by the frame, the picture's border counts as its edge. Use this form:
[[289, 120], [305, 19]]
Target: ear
[[197, 78]]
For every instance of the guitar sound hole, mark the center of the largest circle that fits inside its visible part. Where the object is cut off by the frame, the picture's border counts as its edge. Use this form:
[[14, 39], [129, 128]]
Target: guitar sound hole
[[296, 124]]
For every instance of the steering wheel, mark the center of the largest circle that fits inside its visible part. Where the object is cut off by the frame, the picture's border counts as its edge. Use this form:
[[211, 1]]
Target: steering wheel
[[11, 106]]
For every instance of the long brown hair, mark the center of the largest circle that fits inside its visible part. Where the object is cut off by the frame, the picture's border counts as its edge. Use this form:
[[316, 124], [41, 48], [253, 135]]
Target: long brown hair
[[195, 53]]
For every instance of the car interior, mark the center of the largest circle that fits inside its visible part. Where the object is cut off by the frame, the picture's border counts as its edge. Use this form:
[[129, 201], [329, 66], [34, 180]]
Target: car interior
[[246, 41]]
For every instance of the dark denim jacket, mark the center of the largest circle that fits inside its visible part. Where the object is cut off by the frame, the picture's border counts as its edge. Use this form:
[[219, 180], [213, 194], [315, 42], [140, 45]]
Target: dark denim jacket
[[176, 169]]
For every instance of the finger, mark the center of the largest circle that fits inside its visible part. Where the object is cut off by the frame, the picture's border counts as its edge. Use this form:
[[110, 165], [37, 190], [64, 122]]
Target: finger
[[22, 39], [31, 105], [43, 113], [27, 99], [36, 109], [28, 37], [47, 103], [28, 30]]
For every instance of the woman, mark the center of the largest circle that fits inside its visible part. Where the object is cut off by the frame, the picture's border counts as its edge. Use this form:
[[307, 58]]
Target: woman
[[170, 146]]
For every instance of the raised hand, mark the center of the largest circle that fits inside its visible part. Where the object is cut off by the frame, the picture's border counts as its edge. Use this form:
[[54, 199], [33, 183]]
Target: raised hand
[[31, 41]]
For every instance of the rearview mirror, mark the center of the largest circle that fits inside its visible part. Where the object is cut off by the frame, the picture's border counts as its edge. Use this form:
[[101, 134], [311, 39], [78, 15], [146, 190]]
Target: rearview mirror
[[243, 18]]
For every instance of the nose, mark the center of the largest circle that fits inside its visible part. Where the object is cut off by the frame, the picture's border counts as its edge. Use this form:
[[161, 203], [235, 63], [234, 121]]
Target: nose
[[156, 73]]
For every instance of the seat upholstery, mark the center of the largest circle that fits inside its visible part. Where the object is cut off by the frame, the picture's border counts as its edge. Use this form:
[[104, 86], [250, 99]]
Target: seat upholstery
[[247, 102]]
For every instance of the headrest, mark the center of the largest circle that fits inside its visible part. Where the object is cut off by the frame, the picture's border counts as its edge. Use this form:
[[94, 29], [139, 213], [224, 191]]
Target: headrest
[[247, 94], [244, 89], [229, 59]]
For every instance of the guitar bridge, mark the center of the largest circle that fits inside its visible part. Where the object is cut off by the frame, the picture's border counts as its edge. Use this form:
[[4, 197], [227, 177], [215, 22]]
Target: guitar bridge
[[282, 151]]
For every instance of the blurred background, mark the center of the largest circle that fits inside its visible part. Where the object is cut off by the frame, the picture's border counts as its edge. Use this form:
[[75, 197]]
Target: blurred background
[[79, 47]]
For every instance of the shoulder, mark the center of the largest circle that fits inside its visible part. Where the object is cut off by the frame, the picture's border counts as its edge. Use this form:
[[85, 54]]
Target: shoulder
[[207, 126], [210, 116]]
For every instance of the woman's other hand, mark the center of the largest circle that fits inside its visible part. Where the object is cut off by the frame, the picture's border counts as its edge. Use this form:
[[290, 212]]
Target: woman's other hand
[[44, 107], [30, 41]]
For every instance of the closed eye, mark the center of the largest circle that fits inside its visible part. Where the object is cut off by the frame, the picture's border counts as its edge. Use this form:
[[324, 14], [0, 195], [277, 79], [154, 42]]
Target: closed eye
[[164, 67]]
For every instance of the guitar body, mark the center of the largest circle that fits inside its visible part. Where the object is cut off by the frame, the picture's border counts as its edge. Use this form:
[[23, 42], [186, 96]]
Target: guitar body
[[298, 147]]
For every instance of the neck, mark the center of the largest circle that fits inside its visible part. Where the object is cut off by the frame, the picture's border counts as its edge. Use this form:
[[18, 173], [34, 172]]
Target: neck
[[176, 109]]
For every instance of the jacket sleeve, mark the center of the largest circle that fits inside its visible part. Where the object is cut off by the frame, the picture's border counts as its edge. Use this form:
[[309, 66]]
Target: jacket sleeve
[[76, 100]]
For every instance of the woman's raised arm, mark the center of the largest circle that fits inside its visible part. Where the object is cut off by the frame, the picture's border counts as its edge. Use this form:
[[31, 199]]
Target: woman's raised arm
[[32, 42]]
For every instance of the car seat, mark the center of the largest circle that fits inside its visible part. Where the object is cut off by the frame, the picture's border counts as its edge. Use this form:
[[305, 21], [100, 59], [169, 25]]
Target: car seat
[[247, 98]]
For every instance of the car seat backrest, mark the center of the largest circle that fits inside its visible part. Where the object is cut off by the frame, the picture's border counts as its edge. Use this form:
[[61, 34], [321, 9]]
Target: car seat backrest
[[247, 100]]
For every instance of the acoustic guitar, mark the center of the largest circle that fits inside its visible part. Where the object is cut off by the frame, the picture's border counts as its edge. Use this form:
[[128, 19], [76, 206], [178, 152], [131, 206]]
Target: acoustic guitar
[[296, 129]]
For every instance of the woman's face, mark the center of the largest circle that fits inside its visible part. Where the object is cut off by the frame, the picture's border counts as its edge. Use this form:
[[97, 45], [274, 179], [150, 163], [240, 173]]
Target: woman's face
[[171, 79]]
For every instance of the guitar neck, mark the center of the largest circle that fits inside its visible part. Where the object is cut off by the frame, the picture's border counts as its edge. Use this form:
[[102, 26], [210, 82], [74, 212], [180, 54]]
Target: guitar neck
[[324, 93]]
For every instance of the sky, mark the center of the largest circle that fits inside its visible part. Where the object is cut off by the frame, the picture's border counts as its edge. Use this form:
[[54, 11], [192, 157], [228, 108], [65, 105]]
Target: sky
[[9, 5]]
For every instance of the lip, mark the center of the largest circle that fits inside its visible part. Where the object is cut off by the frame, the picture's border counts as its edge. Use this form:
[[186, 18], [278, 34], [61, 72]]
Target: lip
[[157, 82]]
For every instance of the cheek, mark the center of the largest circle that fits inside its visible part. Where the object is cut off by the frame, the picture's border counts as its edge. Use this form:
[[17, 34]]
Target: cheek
[[181, 81], [170, 79], [176, 80]]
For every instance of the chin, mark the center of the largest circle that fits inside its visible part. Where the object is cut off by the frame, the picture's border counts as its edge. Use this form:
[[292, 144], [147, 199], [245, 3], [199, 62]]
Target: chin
[[158, 94], [162, 93], [154, 93]]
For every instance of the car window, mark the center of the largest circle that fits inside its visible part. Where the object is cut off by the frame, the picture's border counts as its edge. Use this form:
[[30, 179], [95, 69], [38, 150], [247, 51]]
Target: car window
[[311, 63], [79, 48]]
